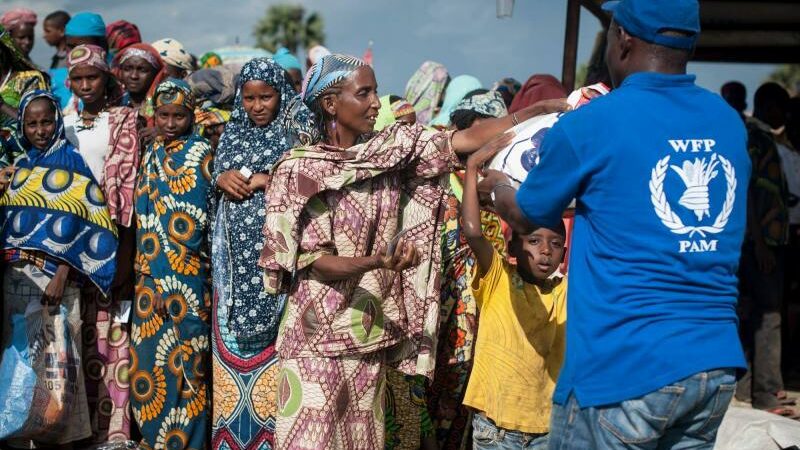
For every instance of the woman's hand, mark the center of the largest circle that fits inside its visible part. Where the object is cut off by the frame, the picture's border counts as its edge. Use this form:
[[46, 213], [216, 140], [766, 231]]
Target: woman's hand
[[405, 256], [147, 136], [6, 174], [55, 288], [478, 159], [259, 182], [159, 305], [234, 185]]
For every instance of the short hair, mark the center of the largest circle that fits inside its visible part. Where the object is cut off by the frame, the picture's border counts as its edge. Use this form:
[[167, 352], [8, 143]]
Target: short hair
[[560, 228], [58, 18], [735, 93], [770, 94]]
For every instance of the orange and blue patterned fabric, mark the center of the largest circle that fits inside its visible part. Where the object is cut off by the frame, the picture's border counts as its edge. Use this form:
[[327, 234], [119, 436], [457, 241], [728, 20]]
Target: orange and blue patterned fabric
[[170, 352], [55, 206]]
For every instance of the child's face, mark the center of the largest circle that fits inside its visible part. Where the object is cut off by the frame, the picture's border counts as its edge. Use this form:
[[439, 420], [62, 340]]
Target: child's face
[[39, 123], [538, 254], [23, 37], [173, 121], [52, 33]]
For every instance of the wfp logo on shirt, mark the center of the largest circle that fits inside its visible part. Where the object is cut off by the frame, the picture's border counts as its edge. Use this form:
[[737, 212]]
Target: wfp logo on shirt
[[694, 177]]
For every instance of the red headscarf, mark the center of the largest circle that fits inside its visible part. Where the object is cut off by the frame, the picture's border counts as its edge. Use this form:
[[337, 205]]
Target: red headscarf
[[537, 88], [121, 34]]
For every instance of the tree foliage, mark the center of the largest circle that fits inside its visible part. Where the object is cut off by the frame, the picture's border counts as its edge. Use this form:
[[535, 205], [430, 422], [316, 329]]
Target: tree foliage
[[788, 76], [289, 26]]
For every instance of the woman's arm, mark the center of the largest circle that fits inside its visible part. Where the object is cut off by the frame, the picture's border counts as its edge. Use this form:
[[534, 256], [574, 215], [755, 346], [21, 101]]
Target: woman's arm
[[337, 268], [471, 139], [470, 208], [55, 288]]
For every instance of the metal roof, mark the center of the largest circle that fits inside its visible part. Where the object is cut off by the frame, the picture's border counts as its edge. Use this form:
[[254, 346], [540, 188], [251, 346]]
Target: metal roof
[[765, 31]]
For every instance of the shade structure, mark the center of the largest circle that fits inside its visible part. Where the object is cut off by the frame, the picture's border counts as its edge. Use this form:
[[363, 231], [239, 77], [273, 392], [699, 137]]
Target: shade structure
[[747, 31], [236, 56]]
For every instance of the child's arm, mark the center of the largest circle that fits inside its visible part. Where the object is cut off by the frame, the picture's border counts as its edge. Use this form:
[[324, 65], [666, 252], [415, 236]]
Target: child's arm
[[470, 207]]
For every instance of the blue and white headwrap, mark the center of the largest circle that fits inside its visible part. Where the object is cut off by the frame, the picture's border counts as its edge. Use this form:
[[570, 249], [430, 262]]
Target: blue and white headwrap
[[330, 70]]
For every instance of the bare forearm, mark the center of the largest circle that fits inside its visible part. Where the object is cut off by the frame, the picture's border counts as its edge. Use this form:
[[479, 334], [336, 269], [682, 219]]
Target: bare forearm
[[336, 268], [505, 204], [471, 219], [473, 138]]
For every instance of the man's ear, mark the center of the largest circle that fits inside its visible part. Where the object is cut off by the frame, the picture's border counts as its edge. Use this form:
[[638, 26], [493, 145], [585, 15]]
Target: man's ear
[[625, 43]]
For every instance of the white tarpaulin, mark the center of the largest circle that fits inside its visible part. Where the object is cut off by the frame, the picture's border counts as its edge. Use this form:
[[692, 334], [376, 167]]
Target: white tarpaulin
[[752, 429]]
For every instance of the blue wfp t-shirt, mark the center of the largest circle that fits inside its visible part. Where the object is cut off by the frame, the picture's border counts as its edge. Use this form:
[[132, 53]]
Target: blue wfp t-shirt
[[659, 169]]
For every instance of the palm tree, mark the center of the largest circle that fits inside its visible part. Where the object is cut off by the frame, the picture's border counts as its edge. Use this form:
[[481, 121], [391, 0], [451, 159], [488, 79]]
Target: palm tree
[[287, 25]]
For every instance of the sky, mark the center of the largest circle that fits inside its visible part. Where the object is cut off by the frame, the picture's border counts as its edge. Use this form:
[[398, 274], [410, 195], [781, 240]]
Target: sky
[[464, 35]]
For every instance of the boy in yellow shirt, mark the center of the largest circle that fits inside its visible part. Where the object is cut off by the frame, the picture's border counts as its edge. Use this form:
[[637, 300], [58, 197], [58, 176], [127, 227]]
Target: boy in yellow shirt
[[520, 344]]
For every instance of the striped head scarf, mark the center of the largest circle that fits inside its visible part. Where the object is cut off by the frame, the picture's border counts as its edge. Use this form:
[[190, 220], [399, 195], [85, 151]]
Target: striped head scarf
[[173, 91], [425, 88], [327, 72]]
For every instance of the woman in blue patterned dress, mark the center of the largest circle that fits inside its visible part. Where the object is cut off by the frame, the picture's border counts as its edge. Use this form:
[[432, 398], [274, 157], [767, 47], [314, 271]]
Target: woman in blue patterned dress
[[170, 332], [245, 322]]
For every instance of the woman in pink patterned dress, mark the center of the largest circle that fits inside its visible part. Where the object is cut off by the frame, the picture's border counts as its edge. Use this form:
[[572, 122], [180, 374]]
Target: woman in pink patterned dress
[[360, 297], [105, 135]]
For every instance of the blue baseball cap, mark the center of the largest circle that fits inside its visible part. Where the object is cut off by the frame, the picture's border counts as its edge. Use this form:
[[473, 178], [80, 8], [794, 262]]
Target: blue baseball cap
[[649, 19]]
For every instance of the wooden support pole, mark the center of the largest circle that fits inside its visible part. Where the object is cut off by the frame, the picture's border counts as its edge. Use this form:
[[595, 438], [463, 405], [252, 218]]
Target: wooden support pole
[[570, 64]]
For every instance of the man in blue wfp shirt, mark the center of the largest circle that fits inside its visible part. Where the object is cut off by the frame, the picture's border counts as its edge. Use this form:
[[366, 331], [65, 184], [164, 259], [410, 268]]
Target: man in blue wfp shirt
[[659, 170]]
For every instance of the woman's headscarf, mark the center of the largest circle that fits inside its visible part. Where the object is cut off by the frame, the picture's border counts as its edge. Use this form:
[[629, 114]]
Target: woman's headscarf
[[174, 91], [18, 16], [327, 72], [508, 87], [316, 53], [261, 146], [63, 217], [286, 59], [149, 54], [59, 138], [390, 111], [18, 61], [209, 60], [121, 34], [86, 24], [456, 91], [489, 104], [537, 88], [246, 145], [425, 88], [94, 56], [173, 53]]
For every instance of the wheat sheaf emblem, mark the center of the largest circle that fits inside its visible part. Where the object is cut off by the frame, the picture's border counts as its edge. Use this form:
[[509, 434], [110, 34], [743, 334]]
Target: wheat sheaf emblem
[[696, 176]]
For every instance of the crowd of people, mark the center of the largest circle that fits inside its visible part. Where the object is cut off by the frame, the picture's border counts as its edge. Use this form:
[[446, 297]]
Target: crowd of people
[[254, 257]]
